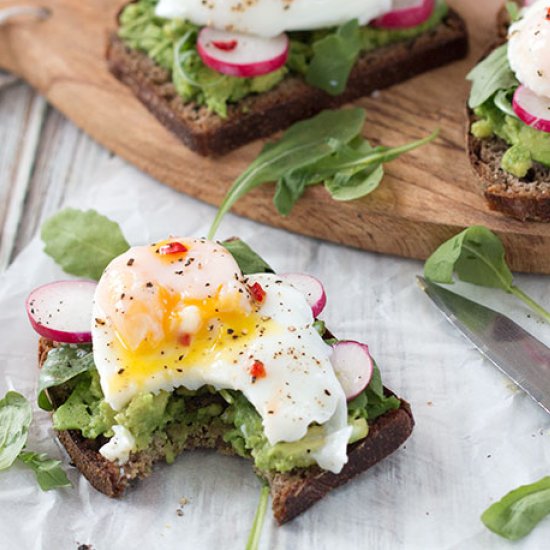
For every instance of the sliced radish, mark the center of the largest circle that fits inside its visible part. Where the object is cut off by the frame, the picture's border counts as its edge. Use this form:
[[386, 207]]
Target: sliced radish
[[241, 55], [311, 288], [353, 366], [532, 109], [62, 311], [405, 14]]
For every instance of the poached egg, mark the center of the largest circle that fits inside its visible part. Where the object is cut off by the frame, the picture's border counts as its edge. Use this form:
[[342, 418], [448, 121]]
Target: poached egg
[[270, 18], [529, 48], [180, 313]]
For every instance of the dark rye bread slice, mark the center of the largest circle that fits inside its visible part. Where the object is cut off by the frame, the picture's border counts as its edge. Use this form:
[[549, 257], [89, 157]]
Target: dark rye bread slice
[[526, 199], [264, 114], [292, 492]]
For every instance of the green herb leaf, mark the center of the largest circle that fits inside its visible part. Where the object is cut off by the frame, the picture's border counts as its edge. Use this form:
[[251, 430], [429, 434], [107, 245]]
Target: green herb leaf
[[304, 143], [351, 172], [344, 187], [83, 243], [48, 472], [477, 256], [334, 57], [503, 102], [248, 261], [287, 193], [518, 512], [327, 148], [15, 419], [490, 76], [256, 531], [61, 365], [513, 11]]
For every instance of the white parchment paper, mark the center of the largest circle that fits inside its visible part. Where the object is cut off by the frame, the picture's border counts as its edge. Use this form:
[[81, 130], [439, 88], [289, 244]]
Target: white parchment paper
[[476, 437]]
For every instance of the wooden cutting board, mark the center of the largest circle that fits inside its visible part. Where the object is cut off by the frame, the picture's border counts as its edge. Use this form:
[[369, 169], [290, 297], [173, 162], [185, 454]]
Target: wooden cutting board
[[425, 198]]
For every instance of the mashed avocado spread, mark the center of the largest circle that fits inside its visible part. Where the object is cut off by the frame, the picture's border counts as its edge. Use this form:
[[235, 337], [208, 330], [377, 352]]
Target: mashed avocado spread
[[166, 420], [171, 44], [527, 144]]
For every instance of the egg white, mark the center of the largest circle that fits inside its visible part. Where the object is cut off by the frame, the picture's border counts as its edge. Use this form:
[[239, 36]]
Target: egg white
[[529, 48], [133, 354], [270, 18]]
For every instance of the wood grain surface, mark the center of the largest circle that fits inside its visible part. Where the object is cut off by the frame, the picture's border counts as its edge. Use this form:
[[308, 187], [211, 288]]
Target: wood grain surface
[[426, 197]]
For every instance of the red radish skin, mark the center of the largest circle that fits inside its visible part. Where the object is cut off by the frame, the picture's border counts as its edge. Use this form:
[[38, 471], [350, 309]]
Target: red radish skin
[[241, 55], [62, 311], [406, 14], [353, 366], [311, 288], [532, 109]]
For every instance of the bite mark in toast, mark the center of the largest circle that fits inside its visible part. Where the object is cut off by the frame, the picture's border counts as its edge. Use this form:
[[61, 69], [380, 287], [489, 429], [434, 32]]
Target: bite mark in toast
[[292, 492]]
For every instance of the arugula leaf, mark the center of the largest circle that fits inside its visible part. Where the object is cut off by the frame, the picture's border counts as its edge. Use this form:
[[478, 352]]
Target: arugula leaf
[[304, 143], [503, 101], [48, 471], [334, 57], [256, 531], [519, 511], [477, 256], [287, 193], [345, 187], [248, 261], [62, 364], [513, 11], [15, 419], [490, 76], [358, 170], [352, 172], [327, 148], [83, 243], [372, 402]]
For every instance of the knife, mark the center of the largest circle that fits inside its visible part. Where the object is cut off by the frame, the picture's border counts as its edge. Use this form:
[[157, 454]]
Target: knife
[[518, 354]]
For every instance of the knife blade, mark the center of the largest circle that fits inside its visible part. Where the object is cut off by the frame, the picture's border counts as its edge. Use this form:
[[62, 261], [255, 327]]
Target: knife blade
[[518, 354]]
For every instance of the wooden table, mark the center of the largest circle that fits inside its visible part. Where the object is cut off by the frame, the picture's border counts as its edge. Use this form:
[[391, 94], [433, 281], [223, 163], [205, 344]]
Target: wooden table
[[43, 157]]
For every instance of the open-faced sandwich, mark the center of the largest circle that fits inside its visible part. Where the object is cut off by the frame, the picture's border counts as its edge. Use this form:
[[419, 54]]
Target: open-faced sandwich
[[192, 344], [509, 115], [222, 73]]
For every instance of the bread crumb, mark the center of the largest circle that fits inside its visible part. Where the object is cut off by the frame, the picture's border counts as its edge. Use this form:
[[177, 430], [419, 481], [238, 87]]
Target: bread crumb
[[184, 501]]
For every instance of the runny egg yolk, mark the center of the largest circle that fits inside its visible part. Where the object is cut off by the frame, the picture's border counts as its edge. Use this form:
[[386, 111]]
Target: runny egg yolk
[[169, 308], [219, 334]]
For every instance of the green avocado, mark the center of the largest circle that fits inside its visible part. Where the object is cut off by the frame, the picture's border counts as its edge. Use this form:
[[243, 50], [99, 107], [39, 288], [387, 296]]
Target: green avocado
[[85, 409], [248, 437], [527, 144], [165, 420], [171, 44]]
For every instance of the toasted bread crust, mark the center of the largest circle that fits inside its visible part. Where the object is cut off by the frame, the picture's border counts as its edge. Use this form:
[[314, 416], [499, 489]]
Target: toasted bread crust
[[292, 492], [292, 100]]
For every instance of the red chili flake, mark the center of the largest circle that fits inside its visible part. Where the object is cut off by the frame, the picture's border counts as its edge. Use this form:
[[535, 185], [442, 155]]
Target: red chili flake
[[257, 292], [225, 45], [173, 248], [185, 339], [257, 370], [547, 14]]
